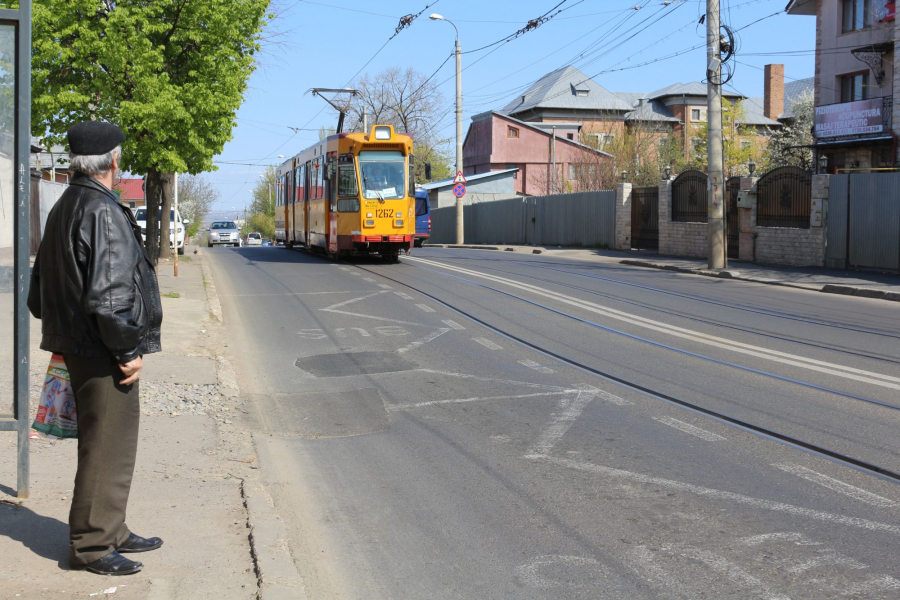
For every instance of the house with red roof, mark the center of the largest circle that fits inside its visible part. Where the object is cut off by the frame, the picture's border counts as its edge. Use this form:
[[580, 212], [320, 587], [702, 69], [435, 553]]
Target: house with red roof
[[131, 191]]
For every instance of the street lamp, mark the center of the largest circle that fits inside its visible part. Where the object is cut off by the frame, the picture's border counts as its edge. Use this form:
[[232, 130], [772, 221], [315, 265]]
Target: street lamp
[[668, 171], [624, 176], [460, 234], [823, 164], [751, 167]]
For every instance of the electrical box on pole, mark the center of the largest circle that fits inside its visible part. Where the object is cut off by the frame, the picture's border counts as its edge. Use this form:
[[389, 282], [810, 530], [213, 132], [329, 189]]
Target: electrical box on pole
[[715, 237]]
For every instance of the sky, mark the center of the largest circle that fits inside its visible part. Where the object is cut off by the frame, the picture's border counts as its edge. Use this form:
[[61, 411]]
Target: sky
[[328, 43]]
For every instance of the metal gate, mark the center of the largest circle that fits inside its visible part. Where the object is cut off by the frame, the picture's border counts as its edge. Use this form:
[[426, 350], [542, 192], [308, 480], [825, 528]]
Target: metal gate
[[864, 221], [783, 198], [732, 221], [645, 218], [689, 197]]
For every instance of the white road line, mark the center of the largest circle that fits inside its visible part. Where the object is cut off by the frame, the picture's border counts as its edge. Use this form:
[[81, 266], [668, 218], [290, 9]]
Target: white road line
[[734, 573], [567, 412], [789, 536], [354, 273], [452, 324], [539, 386], [289, 294], [334, 309], [369, 279], [479, 399], [871, 586], [691, 429], [879, 379], [531, 576], [836, 485], [715, 494], [536, 366], [830, 559], [424, 340], [488, 343], [385, 286], [404, 295], [425, 307], [641, 560]]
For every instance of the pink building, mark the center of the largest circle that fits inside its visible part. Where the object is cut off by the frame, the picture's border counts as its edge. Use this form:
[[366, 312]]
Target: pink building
[[496, 142]]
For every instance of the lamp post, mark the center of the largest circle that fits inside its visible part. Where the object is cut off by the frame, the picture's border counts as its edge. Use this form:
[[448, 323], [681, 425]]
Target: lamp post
[[668, 171], [460, 233], [823, 164], [624, 176], [751, 167]]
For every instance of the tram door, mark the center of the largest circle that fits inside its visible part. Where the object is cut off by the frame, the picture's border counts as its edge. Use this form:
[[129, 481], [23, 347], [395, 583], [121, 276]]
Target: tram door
[[307, 178], [300, 174], [288, 200]]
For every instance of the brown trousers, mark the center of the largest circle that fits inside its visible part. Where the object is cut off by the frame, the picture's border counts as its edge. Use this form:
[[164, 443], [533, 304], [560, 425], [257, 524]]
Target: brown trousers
[[108, 420]]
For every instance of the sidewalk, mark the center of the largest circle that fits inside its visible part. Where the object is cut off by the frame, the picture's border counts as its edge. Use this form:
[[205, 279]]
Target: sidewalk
[[188, 484], [831, 281]]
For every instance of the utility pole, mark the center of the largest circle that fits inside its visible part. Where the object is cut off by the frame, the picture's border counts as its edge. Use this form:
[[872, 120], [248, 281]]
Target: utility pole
[[715, 229], [184, 232]]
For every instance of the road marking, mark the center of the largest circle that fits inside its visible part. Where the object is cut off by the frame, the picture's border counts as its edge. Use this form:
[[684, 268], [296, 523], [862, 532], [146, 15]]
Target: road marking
[[385, 286], [404, 295], [691, 429], [836, 485], [536, 366], [721, 495], [333, 309], [827, 560], [369, 279], [734, 573], [479, 399], [424, 340], [567, 412], [290, 294], [531, 577], [488, 343], [345, 268], [837, 370], [642, 560], [877, 584], [797, 538], [453, 324], [539, 386], [354, 273], [425, 307], [339, 332]]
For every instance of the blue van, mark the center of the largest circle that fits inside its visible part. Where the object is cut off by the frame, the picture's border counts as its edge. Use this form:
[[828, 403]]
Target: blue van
[[423, 218]]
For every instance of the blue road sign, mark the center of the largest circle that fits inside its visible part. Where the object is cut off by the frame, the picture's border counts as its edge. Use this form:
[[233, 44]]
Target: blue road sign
[[459, 190]]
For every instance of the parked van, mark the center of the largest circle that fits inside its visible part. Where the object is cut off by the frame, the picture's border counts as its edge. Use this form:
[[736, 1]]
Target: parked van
[[140, 215], [423, 218]]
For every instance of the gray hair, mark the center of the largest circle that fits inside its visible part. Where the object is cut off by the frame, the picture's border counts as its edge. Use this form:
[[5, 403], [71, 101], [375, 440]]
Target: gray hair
[[94, 164]]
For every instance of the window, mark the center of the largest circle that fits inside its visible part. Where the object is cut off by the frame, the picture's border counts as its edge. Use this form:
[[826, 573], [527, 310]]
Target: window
[[382, 173], [857, 15], [411, 182], [571, 170], [854, 87], [347, 183], [301, 183], [512, 132], [695, 114], [570, 136], [421, 207], [745, 144], [582, 92], [320, 177]]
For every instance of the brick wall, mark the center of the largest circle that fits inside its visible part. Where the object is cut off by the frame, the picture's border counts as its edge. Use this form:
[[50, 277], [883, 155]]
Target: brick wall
[[623, 216], [675, 238], [794, 247]]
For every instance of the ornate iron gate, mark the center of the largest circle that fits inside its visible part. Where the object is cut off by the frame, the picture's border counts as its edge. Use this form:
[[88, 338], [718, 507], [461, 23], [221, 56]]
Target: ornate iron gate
[[645, 218], [784, 195], [732, 222], [689, 197]]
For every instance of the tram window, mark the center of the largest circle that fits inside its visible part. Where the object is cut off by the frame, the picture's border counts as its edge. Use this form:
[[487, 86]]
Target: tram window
[[411, 182], [290, 188], [383, 174], [421, 206], [347, 184], [301, 183], [320, 177], [348, 205], [277, 195]]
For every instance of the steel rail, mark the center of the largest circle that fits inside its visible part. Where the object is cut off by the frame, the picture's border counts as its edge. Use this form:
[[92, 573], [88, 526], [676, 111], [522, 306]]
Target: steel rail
[[862, 465]]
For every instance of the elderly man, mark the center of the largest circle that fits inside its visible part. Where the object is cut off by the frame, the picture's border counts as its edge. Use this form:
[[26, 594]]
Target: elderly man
[[95, 291]]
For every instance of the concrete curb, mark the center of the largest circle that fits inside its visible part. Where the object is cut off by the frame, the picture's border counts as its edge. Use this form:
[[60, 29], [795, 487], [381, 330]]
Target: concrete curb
[[224, 369], [476, 247], [846, 290]]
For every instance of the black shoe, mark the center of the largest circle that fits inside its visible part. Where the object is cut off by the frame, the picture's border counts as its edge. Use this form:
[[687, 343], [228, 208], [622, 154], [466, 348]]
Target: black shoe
[[112, 564], [136, 543]]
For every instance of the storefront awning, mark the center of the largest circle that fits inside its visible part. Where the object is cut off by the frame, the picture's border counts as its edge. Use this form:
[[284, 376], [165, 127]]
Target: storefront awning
[[856, 142]]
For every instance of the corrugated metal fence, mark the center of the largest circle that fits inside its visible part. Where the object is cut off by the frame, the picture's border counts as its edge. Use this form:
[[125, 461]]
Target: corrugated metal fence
[[579, 219], [864, 221]]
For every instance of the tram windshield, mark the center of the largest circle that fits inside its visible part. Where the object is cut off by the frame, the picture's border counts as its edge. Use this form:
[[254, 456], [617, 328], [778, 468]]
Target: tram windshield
[[383, 174]]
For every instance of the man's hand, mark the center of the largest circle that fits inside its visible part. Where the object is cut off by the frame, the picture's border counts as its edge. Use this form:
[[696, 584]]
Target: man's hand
[[132, 371]]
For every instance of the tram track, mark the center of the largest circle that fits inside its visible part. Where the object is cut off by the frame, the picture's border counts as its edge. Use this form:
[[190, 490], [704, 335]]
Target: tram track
[[721, 417], [770, 313], [881, 358]]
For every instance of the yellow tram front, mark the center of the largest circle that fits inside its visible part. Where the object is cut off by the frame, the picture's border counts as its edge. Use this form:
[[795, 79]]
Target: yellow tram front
[[352, 193]]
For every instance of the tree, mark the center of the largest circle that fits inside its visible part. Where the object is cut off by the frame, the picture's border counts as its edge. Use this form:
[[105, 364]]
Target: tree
[[196, 197], [792, 144], [170, 73], [739, 141], [261, 215], [408, 100]]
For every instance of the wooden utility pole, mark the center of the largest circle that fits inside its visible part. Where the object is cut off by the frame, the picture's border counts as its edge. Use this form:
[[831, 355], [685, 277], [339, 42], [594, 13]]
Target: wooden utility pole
[[715, 232]]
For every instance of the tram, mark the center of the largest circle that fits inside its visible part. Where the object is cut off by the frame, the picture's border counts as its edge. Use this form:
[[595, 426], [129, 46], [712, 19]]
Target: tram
[[349, 194]]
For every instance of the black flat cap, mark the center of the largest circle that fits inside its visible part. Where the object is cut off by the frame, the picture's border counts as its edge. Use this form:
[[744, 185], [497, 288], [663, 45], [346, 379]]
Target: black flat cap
[[94, 137]]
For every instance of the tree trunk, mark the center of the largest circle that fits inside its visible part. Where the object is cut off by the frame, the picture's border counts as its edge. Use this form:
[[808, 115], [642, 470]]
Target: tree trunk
[[153, 190], [167, 188]]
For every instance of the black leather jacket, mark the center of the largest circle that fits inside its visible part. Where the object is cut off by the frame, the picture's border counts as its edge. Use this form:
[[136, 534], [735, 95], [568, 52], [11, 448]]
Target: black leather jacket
[[93, 286]]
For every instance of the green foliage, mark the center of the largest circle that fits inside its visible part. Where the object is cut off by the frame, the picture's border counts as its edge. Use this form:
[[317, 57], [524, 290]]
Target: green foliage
[[264, 224], [261, 214], [170, 73], [737, 154], [196, 196], [792, 144]]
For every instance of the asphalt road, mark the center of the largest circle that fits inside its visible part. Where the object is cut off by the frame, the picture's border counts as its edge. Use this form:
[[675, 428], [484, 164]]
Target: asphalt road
[[417, 453]]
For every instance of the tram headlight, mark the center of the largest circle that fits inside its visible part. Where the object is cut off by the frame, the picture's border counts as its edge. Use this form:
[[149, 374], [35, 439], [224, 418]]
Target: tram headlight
[[382, 133], [398, 223], [399, 215], [369, 215], [370, 223]]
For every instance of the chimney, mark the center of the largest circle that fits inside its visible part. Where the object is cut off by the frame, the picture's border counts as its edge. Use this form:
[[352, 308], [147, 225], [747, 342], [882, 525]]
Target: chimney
[[773, 101]]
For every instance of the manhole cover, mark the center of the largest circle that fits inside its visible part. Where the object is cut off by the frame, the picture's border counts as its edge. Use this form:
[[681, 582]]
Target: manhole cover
[[354, 363]]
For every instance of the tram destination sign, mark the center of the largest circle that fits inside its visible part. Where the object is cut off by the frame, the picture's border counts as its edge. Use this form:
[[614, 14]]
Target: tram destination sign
[[850, 118]]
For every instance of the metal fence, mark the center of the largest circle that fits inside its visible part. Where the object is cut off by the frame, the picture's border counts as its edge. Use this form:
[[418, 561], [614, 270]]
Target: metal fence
[[864, 221], [578, 219], [784, 196], [645, 217], [689, 197]]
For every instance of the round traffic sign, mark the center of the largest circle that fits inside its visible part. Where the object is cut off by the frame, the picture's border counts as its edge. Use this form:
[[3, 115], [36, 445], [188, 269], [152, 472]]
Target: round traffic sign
[[459, 190]]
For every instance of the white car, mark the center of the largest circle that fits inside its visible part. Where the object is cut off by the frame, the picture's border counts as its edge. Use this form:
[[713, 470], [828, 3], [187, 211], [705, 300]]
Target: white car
[[140, 215], [253, 239]]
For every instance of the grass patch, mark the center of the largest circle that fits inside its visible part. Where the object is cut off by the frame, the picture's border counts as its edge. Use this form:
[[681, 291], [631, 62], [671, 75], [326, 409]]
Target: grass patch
[[185, 258], [172, 295]]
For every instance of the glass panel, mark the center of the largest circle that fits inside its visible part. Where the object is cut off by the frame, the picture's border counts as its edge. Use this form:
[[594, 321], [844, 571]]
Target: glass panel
[[382, 174], [421, 206], [7, 216], [347, 184], [412, 176], [348, 205]]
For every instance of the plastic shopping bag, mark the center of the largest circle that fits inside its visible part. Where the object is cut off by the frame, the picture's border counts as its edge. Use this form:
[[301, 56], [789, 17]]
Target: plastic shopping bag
[[56, 414]]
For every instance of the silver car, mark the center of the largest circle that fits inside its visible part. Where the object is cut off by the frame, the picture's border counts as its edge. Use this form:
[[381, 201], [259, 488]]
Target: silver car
[[224, 233]]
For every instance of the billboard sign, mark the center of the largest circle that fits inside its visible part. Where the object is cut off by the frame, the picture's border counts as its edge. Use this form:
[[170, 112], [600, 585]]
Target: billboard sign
[[850, 118]]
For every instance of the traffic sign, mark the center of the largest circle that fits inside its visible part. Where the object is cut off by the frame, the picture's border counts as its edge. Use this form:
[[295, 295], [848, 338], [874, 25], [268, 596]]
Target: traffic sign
[[459, 190], [459, 178]]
